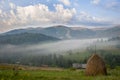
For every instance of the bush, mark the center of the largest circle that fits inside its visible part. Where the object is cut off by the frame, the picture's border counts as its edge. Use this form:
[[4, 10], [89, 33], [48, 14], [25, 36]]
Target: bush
[[72, 69]]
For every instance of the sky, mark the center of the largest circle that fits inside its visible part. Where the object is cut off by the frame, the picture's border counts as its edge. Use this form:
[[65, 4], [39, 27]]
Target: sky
[[15, 14]]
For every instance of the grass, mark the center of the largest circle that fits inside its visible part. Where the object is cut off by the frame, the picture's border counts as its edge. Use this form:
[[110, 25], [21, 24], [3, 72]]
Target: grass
[[65, 74]]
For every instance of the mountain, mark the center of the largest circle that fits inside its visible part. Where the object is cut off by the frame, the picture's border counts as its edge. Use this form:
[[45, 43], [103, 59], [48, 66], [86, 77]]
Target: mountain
[[28, 30], [110, 32], [64, 32], [59, 31], [97, 32], [82, 33], [25, 38]]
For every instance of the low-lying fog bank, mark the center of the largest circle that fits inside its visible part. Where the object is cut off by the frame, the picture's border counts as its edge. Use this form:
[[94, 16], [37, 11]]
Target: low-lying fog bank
[[55, 47]]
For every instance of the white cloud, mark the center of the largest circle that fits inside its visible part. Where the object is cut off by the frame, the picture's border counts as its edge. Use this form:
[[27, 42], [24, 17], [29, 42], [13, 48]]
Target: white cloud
[[40, 13], [62, 14], [114, 5], [12, 6], [0, 11], [86, 17], [35, 15], [95, 2], [65, 2]]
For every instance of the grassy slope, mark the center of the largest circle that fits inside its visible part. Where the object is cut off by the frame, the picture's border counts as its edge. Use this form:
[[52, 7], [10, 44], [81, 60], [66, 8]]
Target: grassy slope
[[56, 75]]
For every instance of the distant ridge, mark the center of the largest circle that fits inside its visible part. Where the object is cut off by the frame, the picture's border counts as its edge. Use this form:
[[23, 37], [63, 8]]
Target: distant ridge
[[65, 32], [25, 38]]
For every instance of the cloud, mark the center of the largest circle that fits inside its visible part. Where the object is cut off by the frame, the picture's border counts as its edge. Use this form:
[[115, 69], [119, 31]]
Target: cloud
[[114, 5], [12, 6], [96, 2], [35, 15], [65, 2], [0, 12], [63, 15], [86, 19]]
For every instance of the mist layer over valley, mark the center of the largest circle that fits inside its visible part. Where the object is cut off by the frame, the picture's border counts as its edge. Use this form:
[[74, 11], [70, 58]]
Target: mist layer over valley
[[55, 47]]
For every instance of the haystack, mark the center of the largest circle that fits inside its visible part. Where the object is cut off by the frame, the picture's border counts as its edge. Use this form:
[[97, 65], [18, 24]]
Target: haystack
[[95, 66]]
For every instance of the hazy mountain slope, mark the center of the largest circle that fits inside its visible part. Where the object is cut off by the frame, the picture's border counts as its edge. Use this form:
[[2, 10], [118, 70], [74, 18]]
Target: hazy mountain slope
[[28, 30], [64, 32], [115, 31], [83, 33], [110, 32], [25, 38], [57, 31]]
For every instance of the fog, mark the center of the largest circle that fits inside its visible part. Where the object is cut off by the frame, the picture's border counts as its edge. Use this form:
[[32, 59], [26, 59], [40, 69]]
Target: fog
[[55, 47]]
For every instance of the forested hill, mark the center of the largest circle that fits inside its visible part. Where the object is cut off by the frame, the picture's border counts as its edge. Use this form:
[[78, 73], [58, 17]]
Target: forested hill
[[66, 32], [25, 38]]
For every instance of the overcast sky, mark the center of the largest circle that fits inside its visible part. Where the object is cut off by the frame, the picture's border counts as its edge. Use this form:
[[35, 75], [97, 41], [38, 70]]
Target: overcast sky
[[42, 13]]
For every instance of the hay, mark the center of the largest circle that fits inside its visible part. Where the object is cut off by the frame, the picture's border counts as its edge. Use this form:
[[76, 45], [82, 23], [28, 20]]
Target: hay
[[95, 66]]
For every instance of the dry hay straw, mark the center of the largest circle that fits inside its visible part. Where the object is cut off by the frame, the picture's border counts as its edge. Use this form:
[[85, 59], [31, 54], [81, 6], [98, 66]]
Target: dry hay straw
[[95, 66]]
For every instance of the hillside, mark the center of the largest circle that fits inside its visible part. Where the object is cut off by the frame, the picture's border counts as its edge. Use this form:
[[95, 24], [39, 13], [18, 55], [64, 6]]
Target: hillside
[[110, 32], [64, 32], [25, 38], [27, 30], [83, 33], [59, 31]]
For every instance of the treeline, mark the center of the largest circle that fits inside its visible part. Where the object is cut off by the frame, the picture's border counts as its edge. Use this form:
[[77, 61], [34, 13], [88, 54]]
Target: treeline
[[56, 60], [51, 60], [117, 39], [111, 58]]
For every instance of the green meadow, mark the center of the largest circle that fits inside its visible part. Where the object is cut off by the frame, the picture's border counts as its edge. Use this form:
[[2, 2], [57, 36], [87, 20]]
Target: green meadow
[[64, 74]]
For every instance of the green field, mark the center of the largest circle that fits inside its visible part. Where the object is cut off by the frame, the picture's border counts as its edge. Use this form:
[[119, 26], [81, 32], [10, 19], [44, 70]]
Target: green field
[[65, 74]]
